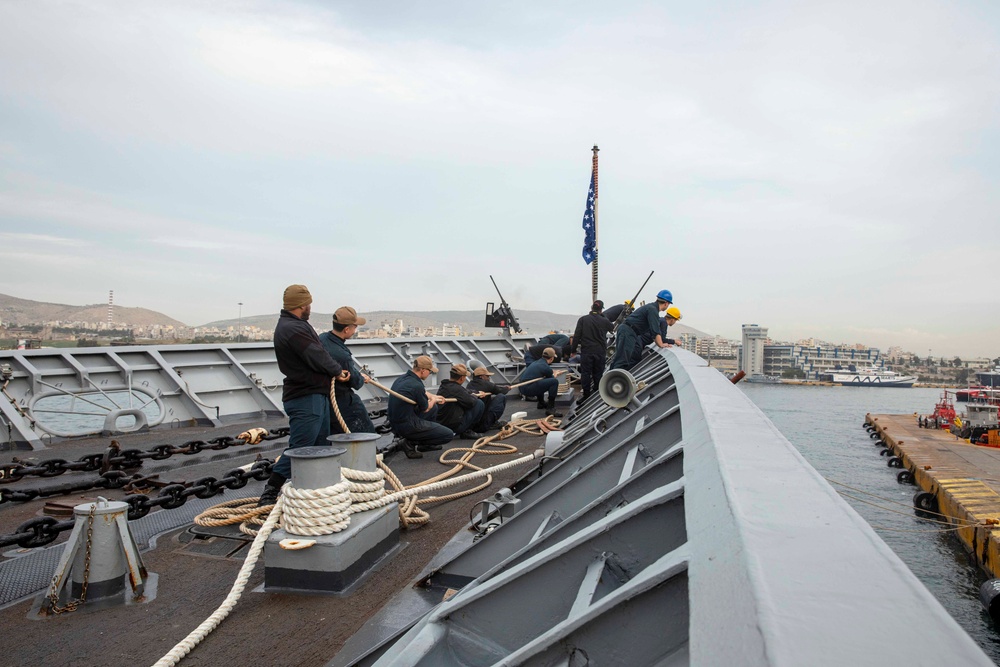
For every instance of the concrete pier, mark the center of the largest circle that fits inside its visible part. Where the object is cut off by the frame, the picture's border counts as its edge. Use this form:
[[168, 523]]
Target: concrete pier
[[963, 479]]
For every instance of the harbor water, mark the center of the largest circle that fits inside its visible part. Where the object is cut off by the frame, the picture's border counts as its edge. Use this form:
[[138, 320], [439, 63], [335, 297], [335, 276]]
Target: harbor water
[[826, 425]]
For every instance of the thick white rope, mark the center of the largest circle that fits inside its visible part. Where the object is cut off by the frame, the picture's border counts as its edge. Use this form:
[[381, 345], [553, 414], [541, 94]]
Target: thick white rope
[[316, 511], [186, 645], [302, 498]]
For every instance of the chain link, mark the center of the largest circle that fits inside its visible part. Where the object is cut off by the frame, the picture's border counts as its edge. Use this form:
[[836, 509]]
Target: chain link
[[73, 604], [40, 531], [115, 458]]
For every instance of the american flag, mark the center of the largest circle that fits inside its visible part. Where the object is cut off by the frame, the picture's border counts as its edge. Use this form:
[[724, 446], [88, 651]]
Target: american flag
[[589, 226]]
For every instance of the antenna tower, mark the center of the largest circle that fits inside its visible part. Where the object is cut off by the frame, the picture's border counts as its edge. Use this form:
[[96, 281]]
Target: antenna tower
[[111, 306]]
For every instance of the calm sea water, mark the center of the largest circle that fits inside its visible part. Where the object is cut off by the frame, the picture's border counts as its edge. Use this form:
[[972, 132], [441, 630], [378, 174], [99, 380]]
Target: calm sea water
[[825, 424]]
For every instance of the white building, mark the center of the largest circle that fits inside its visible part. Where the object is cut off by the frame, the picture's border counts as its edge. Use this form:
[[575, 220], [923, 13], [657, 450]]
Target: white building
[[752, 352]]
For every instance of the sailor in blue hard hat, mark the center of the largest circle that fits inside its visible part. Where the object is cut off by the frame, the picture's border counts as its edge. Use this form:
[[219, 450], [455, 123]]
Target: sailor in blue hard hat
[[644, 323]]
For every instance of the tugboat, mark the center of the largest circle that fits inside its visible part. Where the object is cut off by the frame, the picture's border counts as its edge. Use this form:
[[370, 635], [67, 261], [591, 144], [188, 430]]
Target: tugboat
[[943, 415]]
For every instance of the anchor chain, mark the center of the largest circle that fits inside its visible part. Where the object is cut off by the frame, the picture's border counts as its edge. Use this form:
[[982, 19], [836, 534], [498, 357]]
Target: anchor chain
[[44, 530], [116, 458]]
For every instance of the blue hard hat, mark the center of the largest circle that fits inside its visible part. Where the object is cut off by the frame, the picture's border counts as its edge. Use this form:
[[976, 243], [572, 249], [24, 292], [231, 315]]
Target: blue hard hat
[[665, 295]]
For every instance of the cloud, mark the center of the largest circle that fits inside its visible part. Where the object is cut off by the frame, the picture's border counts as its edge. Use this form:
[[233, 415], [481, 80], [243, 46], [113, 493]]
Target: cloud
[[780, 164]]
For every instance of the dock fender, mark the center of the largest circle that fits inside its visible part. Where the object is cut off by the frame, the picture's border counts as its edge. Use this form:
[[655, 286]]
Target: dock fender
[[894, 462], [885, 452], [904, 477], [872, 434], [989, 595], [926, 501]]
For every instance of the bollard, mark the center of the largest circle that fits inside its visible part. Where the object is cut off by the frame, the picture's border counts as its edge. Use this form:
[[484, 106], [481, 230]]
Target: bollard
[[361, 450], [315, 467], [99, 560], [337, 562]]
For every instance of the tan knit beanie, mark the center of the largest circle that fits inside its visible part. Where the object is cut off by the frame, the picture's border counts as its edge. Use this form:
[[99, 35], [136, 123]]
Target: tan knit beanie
[[297, 296]]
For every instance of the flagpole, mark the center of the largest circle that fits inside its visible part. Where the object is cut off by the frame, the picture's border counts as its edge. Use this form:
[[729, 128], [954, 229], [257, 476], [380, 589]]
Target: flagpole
[[593, 286]]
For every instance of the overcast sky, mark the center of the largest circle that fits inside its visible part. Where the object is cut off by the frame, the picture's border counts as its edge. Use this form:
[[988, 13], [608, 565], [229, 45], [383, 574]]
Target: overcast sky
[[824, 169]]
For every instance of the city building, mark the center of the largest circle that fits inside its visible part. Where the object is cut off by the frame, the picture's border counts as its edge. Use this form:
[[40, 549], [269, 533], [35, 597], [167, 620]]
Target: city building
[[818, 359], [752, 352]]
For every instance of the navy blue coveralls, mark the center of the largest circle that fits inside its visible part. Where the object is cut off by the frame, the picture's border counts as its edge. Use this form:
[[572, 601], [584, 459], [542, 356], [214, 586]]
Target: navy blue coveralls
[[352, 408], [305, 394], [496, 403], [540, 369], [464, 413], [613, 312], [591, 336], [645, 321], [411, 421], [555, 340]]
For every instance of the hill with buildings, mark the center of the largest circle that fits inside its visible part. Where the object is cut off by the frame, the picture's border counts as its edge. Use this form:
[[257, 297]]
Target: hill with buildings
[[22, 312], [538, 322]]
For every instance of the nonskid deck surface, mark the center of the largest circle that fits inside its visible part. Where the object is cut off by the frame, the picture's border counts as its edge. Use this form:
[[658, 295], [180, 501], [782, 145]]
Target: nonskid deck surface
[[195, 575]]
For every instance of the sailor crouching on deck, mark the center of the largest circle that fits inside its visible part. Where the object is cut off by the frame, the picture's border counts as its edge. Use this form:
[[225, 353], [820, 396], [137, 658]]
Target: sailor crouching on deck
[[415, 424], [556, 341], [464, 415], [495, 401], [305, 395], [345, 324], [548, 385], [643, 323]]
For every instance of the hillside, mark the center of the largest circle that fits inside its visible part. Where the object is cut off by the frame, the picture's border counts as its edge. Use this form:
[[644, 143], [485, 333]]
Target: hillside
[[23, 311], [538, 322]]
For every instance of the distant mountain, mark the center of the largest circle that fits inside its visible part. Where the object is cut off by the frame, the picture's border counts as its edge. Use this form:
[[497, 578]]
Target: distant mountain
[[536, 322], [22, 311]]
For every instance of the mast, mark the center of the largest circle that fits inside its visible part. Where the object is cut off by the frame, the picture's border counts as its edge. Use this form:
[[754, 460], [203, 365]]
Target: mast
[[593, 268]]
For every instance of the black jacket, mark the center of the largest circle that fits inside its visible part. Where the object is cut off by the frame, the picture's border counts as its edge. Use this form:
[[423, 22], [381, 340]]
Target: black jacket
[[591, 335], [307, 367], [451, 414], [482, 384]]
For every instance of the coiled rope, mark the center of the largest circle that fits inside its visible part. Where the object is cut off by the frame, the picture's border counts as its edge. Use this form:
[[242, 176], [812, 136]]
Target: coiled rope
[[324, 509]]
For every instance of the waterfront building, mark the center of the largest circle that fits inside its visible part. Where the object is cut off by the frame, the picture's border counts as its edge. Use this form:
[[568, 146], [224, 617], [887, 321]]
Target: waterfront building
[[818, 359], [752, 352]]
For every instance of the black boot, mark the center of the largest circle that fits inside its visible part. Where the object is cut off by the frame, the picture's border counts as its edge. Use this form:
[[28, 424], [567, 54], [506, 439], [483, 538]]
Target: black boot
[[541, 404], [269, 495], [408, 449], [550, 409]]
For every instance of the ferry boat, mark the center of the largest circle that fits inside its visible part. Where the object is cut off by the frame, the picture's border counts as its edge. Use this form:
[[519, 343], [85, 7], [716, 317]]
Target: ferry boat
[[872, 377]]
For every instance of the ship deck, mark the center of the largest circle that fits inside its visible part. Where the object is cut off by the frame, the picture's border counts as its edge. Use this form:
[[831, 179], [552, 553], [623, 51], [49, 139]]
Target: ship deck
[[196, 573]]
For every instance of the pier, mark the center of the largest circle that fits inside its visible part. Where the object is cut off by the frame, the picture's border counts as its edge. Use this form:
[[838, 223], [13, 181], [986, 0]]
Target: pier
[[959, 480]]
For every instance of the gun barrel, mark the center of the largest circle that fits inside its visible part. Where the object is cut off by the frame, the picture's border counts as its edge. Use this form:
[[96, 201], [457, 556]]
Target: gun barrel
[[503, 301]]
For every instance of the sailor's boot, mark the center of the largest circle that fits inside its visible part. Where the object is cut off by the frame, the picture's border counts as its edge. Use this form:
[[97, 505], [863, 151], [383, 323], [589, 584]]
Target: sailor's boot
[[269, 495], [550, 408], [541, 403], [409, 449]]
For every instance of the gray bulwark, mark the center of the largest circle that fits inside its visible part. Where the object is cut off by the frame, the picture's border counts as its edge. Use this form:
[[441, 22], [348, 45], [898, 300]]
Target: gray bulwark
[[769, 566], [187, 385]]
